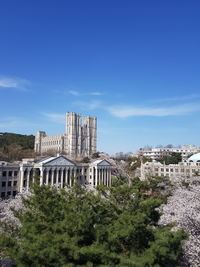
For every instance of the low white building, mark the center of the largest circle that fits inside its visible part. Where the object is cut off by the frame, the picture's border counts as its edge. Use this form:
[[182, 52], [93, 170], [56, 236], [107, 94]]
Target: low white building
[[156, 153], [55, 171], [188, 168]]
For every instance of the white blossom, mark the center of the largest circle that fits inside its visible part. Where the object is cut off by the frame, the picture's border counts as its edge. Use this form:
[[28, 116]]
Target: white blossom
[[183, 208], [6, 206]]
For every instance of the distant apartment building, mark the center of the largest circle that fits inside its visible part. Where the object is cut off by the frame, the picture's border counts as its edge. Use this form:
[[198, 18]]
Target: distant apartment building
[[56, 171], [187, 169], [156, 153], [79, 139]]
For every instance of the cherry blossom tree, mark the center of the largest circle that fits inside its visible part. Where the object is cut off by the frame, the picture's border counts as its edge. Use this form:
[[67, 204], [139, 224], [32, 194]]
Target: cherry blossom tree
[[183, 209]]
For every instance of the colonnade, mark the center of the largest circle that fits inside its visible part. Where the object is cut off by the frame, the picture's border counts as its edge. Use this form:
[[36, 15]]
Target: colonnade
[[101, 176], [54, 176], [61, 176]]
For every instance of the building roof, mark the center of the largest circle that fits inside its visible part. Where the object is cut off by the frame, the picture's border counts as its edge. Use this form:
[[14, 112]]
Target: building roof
[[99, 161], [194, 158], [41, 159], [47, 160]]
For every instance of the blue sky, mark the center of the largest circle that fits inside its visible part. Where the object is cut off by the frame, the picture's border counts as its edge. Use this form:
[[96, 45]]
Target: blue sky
[[133, 64]]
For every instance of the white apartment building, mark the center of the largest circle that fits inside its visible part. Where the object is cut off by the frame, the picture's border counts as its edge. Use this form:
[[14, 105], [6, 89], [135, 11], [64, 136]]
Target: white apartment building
[[55, 171], [156, 153], [187, 169]]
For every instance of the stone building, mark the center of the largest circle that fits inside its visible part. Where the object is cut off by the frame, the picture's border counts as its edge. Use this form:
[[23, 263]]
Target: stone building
[[9, 179], [55, 171], [79, 139], [187, 169]]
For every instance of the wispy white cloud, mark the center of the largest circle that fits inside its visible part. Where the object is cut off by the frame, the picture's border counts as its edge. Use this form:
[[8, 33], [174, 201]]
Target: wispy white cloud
[[14, 83], [73, 92], [55, 117], [96, 93], [76, 93], [131, 111]]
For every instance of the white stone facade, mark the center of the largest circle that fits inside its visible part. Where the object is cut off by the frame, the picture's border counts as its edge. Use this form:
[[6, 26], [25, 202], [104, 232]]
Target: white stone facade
[[78, 140], [183, 169], [9, 179], [55, 171]]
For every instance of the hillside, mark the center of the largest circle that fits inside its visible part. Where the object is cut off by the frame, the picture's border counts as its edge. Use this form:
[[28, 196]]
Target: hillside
[[16, 146], [25, 141]]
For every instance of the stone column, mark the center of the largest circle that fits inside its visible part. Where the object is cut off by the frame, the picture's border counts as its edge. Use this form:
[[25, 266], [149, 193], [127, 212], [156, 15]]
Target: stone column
[[92, 176], [28, 179], [82, 175], [52, 176], [110, 182], [47, 176], [71, 182], [106, 176], [75, 173], [61, 181], [96, 176], [33, 176], [68, 182], [57, 176], [99, 176], [41, 176], [21, 179]]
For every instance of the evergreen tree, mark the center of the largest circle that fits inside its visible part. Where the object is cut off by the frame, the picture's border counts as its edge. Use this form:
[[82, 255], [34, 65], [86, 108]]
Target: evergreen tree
[[75, 227], [173, 158]]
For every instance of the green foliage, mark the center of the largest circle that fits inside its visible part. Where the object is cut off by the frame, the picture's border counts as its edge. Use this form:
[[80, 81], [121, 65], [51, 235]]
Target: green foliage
[[95, 155], [115, 226], [86, 160], [173, 158], [16, 146], [25, 141]]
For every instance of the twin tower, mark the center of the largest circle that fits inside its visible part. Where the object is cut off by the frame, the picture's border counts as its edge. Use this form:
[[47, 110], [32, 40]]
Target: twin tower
[[79, 139]]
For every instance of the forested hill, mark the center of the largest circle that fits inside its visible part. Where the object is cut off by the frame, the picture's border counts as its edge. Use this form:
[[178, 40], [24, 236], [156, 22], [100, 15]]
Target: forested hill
[[25, 141]]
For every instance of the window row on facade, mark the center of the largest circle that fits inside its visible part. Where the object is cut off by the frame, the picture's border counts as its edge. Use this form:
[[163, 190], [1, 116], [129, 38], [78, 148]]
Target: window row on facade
[[50, 143], [9, 183], [9, 173], [8, 194]]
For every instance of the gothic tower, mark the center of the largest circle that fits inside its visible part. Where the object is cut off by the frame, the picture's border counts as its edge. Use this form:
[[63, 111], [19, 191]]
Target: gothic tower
[[80, 135], [38, 141]]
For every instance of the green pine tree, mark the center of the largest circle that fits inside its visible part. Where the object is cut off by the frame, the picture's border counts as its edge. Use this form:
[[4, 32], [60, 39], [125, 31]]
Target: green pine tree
[[113, 227]]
